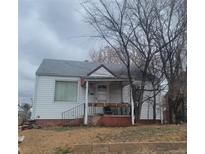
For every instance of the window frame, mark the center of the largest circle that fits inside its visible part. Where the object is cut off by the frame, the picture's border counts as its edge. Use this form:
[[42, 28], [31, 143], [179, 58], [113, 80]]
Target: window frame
[[63, 101]]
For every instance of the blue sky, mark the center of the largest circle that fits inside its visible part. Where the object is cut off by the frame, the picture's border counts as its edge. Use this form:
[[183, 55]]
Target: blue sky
[[50, 29]]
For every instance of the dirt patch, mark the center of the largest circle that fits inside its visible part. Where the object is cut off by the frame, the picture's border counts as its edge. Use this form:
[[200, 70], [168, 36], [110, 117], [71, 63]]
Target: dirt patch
[[50, 139]]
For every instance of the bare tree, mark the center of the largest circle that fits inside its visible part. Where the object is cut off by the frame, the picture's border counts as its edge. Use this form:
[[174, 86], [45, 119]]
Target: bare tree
[[172, 22], [157, 81], [104, 55], [131, 29], [128, 34]]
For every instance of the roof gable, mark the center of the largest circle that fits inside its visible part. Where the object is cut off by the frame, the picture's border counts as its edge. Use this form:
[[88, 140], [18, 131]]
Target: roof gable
[[101, 71]]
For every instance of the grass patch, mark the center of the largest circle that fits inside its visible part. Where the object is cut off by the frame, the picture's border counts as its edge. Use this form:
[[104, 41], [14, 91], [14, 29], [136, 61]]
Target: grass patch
[[148, 133], [62, 151], [60, 129], [66, 128]]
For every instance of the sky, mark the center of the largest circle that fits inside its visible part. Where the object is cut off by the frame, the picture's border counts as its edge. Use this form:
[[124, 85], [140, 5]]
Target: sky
[[54, 29]]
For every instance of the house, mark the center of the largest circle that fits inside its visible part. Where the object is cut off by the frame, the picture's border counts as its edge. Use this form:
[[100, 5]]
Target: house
[[75, 92]]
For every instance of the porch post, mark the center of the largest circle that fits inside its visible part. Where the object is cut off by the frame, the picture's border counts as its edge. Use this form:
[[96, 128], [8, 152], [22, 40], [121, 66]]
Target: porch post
[[86, 105], [132, 108]]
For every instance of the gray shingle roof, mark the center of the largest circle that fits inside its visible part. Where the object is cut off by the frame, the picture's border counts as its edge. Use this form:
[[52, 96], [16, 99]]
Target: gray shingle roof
[[51, 67]]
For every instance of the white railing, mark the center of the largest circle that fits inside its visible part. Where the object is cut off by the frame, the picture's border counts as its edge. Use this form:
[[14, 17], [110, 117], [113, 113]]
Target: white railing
[[78, 111], [74, 112]]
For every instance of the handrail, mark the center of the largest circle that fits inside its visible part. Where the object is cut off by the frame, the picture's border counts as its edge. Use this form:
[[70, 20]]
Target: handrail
[[74, 107], [74, 112]]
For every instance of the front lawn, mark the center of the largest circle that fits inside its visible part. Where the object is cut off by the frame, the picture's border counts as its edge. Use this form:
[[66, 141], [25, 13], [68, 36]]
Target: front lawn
[[51, 140]]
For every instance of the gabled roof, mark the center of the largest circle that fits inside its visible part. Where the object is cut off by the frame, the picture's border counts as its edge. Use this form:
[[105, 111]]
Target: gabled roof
[[100, 67], [69, 68]]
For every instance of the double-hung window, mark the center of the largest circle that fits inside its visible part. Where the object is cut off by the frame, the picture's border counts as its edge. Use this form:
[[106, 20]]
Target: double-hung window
[[66, 91]]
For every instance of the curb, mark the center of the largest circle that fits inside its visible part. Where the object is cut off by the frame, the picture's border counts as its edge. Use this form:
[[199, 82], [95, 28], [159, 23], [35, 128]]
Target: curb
[[130, 147]]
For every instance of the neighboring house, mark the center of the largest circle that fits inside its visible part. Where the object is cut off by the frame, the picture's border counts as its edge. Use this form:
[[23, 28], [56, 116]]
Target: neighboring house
[[75, 92]]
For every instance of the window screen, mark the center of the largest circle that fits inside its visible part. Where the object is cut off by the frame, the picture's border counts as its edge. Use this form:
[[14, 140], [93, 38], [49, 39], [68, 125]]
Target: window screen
[[66, 91]]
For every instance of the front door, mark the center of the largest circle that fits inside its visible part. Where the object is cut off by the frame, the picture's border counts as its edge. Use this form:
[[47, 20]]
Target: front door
[[102, 93]]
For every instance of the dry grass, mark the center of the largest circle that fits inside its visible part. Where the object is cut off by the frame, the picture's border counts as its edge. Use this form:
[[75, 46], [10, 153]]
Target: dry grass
[[51, 139]]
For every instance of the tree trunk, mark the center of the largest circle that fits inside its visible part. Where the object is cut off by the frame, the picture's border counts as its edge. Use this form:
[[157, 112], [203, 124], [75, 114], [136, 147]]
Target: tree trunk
[[154, 107], [138, 101], [171, 103], [137, 113], [170, 120], [183, 110]]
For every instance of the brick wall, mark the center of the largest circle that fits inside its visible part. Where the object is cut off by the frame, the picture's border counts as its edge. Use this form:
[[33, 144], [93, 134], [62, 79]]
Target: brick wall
[[104, 120], [114, 121], [148, 121], [58, 122]]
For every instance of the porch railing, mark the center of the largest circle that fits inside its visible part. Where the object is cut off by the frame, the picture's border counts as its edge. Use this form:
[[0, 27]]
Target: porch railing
[[78, 111]]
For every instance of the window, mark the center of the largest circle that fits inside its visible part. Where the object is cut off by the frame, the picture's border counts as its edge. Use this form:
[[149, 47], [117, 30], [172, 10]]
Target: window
[[66, 91], [102, 88]]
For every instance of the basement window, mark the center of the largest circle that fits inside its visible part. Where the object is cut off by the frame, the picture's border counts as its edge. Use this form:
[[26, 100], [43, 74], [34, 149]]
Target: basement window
[[66, 91]]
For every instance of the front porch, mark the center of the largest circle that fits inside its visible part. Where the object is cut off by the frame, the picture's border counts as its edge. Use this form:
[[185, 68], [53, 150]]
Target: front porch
[[107, 103], [109, 98], [109, 114]]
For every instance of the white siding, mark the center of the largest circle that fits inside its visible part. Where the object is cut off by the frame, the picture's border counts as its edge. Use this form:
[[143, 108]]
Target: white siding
[[147, 109], [46, 108], [101, 72], [126, 94], [115, 93], [44, 105]]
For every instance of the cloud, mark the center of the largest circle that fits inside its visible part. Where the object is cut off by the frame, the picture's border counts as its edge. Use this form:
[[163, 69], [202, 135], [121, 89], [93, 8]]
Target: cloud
[[50, 29]]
